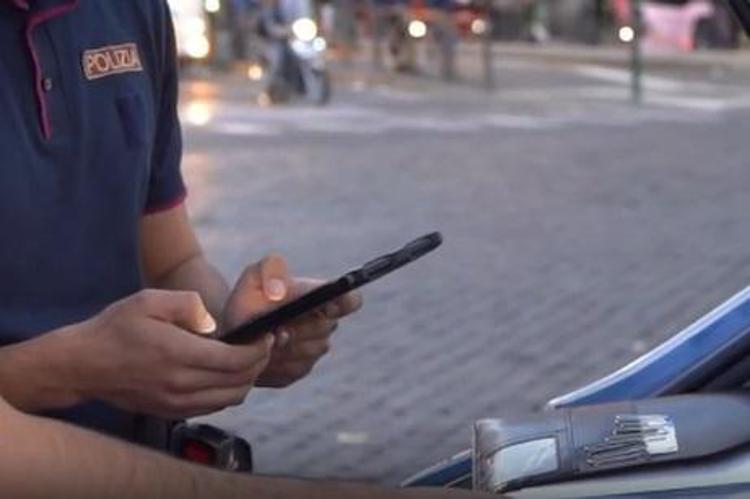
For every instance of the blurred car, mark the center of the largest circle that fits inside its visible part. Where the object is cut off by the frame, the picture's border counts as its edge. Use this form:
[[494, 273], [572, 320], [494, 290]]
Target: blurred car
[[192, 27], [468, 15], [470, 18], [683, 25]]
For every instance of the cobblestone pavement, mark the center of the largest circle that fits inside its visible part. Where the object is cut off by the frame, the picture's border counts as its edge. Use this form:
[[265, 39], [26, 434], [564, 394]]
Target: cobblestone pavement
[[579, 233]]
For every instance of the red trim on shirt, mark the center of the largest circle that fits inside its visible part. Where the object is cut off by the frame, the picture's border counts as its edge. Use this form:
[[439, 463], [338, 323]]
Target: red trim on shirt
[[35, 19], [174, 203]]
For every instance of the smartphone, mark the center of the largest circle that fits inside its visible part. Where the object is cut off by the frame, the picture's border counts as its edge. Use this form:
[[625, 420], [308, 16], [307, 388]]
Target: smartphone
[[318, 297]]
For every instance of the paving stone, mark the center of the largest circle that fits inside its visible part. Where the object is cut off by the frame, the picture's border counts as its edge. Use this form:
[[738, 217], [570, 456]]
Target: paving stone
[[568, 252]]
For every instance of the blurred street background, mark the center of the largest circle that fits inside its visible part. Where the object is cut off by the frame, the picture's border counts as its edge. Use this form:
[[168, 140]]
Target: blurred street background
[[586, 162]]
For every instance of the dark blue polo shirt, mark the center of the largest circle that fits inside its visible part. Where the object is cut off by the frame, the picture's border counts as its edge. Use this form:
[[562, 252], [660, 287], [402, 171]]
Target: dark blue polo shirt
[[89, 143]]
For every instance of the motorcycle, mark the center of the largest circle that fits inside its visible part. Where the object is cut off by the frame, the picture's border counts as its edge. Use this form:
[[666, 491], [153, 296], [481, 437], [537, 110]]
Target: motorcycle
[[297, 63]]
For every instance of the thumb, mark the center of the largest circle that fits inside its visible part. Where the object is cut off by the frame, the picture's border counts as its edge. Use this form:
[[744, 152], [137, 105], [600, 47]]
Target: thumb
[[275, 278], [181, 308], [260, 286]]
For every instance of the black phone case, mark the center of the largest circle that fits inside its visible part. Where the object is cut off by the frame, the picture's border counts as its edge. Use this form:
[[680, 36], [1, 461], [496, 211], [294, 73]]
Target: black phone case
[[369, 272]]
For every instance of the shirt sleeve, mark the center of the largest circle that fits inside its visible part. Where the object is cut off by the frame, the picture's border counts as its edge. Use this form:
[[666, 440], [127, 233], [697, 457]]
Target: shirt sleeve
[[166, 186]]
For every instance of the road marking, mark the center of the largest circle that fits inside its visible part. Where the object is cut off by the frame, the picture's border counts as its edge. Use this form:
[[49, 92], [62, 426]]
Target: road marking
[[678, 100], [377, 122], [519, 122], [556, 107], [395, 94], [698, 96], [244, 128], [623, 77], [696, 103]]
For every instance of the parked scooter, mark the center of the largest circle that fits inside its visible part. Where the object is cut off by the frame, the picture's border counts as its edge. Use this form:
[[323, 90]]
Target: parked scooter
[[296, 62]]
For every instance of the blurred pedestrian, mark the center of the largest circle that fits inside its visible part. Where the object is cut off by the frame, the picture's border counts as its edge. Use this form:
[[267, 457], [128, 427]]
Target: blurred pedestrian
[[445, 35], [273, 27], [241, 19], [539, 21], [277, 18], [390, 29]]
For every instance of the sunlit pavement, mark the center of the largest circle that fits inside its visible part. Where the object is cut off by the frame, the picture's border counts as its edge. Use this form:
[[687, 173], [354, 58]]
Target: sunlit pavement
[[580, 231]]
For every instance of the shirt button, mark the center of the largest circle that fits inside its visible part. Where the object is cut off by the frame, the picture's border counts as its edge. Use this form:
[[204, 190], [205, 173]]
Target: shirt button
[[47, 84]]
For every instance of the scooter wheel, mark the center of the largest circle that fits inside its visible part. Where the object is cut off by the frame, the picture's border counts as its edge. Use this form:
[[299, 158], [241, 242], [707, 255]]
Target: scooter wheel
[[278, 93]]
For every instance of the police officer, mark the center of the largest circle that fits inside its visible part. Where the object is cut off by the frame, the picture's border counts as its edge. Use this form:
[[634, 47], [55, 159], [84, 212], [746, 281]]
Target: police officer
[[240, 19], [390, 27], [276, 29], [107, 298], [445, 35]]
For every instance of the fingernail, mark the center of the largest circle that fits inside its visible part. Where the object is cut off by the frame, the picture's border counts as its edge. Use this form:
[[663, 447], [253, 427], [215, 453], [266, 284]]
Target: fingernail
[[276, 289], [207, 324], [270, 340], [283, 338]]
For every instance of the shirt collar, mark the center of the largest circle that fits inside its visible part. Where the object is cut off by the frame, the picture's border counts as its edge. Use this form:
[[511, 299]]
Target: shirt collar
[[26, 4]]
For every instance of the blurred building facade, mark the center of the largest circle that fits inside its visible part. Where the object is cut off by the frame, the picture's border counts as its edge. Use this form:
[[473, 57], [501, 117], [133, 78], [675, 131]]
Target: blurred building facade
[[679, 24]]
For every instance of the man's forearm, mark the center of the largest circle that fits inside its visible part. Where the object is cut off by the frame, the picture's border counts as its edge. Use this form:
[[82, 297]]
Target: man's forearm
[[40, 374], [41, 458]]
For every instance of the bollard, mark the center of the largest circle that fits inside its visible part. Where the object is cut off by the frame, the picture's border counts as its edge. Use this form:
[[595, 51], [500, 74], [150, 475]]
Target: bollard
[[375, 25], [488, 59], [636, 59]]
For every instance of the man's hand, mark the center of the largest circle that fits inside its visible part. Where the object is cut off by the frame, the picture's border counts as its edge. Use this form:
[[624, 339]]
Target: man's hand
[[266, 285], [147, 354]]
